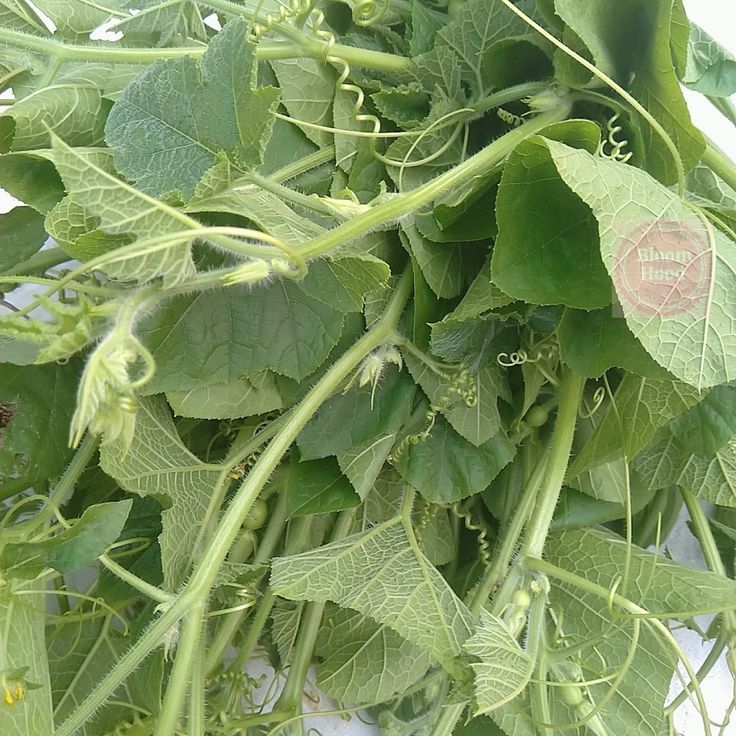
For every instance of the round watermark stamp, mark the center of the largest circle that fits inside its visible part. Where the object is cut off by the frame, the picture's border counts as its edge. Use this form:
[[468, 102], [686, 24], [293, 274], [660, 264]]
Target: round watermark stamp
[[663, 268]]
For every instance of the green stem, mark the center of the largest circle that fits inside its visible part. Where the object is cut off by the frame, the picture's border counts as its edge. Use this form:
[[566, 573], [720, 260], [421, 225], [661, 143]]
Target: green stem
[[720, 164], [291, 697], [181, 673], [311, 161], [197, 688], [408, 202], [198, 587], [511, 537], [39, 262], [315, 204], [151, 591], [114, 54], [571, 389]]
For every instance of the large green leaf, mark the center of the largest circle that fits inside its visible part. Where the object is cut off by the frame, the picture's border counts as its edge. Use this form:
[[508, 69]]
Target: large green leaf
[[76, 113], [638, 408], [316, 487], [23, 648], [711, 69], [382, 575], [365, 662], [356, 417], [665, 463], [476, 423], [612, 32], [710, 425], [222, 335], [22, 233], [72, 549], [35, 444], [445, 467], [504, 668], [674, 274], [363, 463], [163, 130], [158, 464], [547, 247], [592, 342], [241, 397], [126, 211]]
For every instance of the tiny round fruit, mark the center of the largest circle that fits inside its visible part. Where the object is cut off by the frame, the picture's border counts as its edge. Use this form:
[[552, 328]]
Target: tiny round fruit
[[537, 416], [571, 695], [257, 515], [521, 599]]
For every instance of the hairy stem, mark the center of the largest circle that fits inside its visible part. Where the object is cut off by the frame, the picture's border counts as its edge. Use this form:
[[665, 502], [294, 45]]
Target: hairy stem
[[571, 389]]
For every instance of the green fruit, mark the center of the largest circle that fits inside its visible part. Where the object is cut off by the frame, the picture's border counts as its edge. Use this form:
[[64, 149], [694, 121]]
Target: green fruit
[[571, 695], [521, 599], [256, 516], [537, 416]]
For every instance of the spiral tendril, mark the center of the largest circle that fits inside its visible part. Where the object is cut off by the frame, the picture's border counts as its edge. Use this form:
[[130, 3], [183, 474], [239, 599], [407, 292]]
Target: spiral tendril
[[613, 147], [598, 397], [509, 118], [484, 546], [292, 9]]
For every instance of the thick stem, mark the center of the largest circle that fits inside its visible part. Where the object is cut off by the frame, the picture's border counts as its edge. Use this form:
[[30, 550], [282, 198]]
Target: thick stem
[[181, 674], [571, 389], [408, 202], [197, 589]]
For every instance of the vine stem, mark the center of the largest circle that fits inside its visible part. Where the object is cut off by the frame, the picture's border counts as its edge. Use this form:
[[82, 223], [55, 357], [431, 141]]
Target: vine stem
[[571, 390], [115, 54], [408, 202], [196, 590], [721, 164]]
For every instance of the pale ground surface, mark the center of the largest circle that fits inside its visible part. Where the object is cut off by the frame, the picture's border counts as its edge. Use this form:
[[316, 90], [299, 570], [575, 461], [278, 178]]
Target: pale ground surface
[[717, 17]]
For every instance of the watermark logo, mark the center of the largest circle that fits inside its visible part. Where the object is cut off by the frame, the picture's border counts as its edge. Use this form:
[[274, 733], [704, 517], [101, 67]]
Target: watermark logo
[[663, 268]]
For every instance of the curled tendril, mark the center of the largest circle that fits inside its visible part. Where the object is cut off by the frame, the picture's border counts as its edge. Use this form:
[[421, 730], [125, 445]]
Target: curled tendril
[[509, 118], [598, 398], [368, 12], [520, 357], [292, 9], [475, 525], [613, 147]]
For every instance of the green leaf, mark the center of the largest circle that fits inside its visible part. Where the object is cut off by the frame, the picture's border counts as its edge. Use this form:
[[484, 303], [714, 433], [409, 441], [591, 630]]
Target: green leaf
[[673, 272], [592, 342], [710, 425], [445, 468], [76, 113], [711, 69], [661, 586], [31, 178], [473, 31], [158, 464], [163, 130], [317, 487], [547, 247], [639, 407], [123, 210], [35, 442], [364, 662], [611, 32], [278, 327], [504, 668], [382, 575], [363, 463], [477, 423], [241, 397], [307, 89], [441, 264], [665, 462], [424, 26], [22, 621], [707, 189], [22, 234], [72, 549], [354, 418]]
